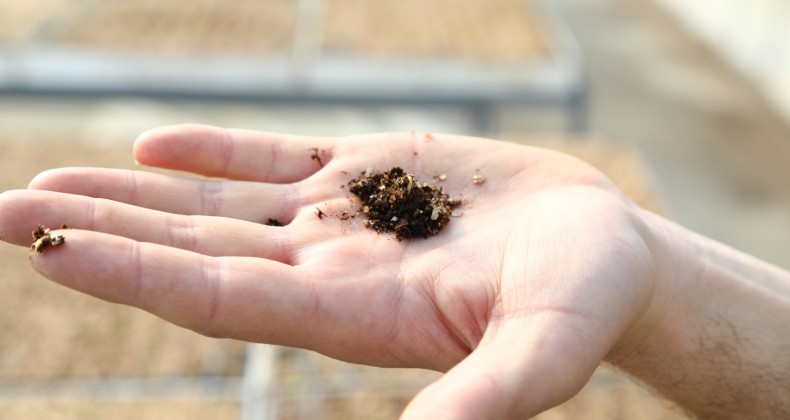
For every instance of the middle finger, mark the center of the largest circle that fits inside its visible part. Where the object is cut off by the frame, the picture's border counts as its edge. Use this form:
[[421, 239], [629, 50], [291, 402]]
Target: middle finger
[[251, 201]]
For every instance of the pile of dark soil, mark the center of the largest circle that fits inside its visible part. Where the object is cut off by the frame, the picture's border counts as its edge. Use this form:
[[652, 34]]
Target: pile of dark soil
[[395, 201]]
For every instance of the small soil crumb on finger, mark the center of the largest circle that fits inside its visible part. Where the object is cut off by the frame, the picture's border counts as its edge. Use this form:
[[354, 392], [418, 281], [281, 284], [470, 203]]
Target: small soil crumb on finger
[[315, 155], [43, 239]]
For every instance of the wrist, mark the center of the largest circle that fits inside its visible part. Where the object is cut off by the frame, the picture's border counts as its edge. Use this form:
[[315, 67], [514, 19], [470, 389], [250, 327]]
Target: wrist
[[672, 287], [716, 329]]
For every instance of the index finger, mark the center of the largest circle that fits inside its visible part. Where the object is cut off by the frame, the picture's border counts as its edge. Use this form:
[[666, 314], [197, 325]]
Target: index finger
[[234, 154]]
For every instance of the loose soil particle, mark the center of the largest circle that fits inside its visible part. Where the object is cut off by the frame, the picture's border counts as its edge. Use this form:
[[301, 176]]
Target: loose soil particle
[[397, 202], [315, 155], [43, 239]]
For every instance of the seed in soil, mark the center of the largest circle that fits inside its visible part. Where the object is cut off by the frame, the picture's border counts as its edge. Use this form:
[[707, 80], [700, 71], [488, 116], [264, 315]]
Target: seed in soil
[[397, 202]]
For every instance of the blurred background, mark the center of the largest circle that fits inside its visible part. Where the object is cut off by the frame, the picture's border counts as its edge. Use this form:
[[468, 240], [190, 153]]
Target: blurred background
[[686, 105]]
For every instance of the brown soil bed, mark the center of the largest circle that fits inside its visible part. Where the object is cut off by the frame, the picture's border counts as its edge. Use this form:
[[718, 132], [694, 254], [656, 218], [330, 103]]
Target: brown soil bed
[[468, 29], [201, 26]]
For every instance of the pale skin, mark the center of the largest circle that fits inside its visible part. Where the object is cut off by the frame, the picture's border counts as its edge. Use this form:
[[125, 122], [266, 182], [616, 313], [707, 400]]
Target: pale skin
[[549, 272]]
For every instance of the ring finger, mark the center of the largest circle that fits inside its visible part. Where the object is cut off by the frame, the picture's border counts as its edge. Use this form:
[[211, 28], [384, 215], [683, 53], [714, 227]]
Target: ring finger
[[22, 211]]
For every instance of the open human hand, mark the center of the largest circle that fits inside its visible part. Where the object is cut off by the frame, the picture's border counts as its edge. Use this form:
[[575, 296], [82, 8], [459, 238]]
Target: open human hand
[[518, 300]]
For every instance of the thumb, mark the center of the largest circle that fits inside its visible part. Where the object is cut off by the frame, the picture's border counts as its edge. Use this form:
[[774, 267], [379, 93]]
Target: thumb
[[516, 374]]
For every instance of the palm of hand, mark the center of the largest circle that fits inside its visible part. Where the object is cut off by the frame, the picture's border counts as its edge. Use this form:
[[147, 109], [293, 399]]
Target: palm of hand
[[546, 262]]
